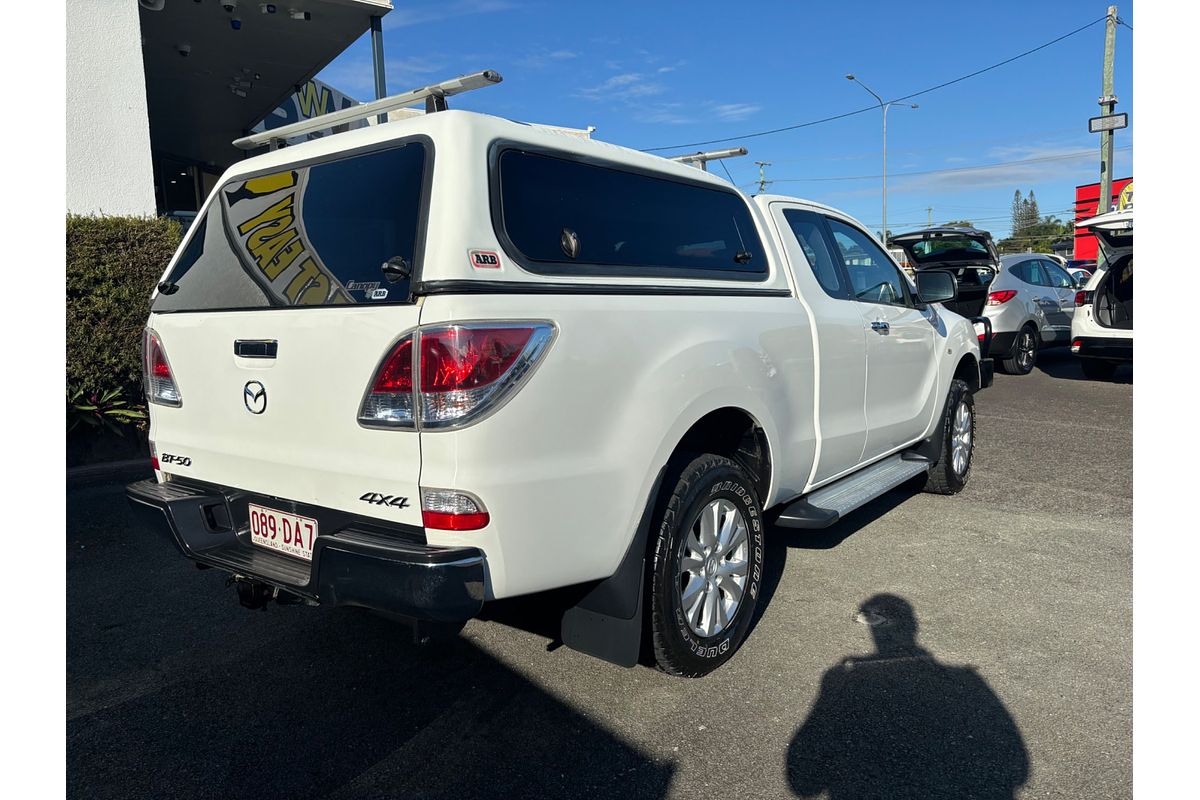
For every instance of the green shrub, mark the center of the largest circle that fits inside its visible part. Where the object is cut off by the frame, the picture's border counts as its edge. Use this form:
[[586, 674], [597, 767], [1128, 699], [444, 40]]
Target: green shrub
[[112, 266]]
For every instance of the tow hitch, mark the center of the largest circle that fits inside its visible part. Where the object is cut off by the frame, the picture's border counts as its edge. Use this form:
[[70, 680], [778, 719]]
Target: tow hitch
[[256, 594]]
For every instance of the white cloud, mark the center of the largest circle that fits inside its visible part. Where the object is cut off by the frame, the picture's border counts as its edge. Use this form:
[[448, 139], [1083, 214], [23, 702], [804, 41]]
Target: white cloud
[[664, 114], [406, 15], [734, 112], [623, 87], [541, 60]]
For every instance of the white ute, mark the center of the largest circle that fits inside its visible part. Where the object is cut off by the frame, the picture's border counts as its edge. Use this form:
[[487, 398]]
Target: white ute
[[432, 363]]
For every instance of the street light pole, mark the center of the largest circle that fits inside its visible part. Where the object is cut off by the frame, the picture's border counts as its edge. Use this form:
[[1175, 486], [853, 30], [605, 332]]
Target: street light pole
[[883, 235]]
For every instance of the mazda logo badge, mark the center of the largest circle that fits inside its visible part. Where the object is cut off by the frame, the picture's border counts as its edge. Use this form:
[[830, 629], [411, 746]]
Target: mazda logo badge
[[255, 397]]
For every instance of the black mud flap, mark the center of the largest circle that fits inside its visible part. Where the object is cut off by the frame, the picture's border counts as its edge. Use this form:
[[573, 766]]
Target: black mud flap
[[607, 622]]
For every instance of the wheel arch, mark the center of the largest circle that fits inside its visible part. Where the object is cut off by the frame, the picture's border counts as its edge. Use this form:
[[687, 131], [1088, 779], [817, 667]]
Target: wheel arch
[[735, 433], [967, 370]]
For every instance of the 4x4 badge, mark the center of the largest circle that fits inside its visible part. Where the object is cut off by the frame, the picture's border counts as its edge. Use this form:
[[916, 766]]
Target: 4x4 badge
[[255, 397], [375, 498]]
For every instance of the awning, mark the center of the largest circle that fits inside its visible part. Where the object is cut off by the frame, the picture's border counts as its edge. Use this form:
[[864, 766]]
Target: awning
[[238, 66]]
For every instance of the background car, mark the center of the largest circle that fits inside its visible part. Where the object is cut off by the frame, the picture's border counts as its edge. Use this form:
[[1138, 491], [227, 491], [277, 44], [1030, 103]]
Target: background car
[[1030, 303], [967, 253], [1102, 327], [1080, 276]]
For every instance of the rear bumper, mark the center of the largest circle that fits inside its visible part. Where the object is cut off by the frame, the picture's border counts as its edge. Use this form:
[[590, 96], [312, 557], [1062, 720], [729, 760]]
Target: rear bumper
[[1109, 348], [356, 561], [1003, 344]]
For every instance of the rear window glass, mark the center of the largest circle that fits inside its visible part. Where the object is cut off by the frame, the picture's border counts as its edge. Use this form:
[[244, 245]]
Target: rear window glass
[[570, 218], [304, 236]]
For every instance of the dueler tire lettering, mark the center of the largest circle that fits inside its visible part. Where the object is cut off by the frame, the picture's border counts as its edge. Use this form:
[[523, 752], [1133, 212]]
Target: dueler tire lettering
[[678, 649]]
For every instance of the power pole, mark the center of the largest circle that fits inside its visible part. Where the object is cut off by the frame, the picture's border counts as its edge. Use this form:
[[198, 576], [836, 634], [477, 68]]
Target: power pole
[[929, 216], [1107, 102], [762, 175]]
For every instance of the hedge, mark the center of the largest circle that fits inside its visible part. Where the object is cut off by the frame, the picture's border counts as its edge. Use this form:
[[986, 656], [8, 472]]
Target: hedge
[[112, 266]]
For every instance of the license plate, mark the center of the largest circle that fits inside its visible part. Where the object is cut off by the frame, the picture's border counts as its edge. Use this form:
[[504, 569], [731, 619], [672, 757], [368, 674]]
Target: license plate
[[286, 533]]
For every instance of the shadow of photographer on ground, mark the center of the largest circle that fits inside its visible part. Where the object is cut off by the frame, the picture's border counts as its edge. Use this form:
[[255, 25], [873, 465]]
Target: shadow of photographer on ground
[[897, 723]]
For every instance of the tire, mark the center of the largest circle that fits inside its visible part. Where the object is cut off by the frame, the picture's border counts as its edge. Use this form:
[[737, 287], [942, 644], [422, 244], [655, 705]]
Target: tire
[[687, 635], [944, 476], [1025, 353], [1098, 370]]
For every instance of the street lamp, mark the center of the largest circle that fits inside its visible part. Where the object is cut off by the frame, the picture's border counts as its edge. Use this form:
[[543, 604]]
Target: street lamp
[[885, 106]]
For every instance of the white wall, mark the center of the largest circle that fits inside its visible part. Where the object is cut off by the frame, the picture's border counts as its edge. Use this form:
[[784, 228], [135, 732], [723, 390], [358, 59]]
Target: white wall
[[109, 169]]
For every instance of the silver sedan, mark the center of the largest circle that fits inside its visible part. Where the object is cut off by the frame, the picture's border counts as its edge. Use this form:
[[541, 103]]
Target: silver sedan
[[1030, 303]]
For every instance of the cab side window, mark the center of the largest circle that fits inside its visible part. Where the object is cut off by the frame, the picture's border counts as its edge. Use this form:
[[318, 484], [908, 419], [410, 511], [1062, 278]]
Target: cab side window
[[807, 226], [873, 276]]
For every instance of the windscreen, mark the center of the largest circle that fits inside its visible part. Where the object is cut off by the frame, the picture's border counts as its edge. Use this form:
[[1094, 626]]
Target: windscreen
[[313, 235]]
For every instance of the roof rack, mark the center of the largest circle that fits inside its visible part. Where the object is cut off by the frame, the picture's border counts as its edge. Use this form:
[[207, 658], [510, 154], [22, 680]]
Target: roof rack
[[434, 97], [701, 159]]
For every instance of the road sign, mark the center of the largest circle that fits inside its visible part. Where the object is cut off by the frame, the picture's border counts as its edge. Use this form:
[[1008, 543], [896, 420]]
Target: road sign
[[1108, 122]]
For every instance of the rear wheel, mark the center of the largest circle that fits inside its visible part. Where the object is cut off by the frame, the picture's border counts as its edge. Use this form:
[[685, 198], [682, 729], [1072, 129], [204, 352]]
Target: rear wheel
[[1025, 352], [1098, 370], [707, 567], [953, 468]]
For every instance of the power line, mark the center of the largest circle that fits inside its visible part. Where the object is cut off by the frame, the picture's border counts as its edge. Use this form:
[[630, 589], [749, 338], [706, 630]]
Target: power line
[[873, 107], [1038, 160], [941, 148], [1126, 24]]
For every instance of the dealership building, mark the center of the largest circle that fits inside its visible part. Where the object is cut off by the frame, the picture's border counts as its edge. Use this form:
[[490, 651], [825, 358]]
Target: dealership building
[[158, 89]]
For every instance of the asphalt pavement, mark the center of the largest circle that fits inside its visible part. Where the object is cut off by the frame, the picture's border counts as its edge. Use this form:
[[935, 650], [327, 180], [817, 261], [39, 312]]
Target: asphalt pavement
[[994, 659]]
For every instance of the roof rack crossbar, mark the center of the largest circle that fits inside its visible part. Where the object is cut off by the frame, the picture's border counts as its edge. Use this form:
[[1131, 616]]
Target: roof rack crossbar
[[435, 97], [701, 159]]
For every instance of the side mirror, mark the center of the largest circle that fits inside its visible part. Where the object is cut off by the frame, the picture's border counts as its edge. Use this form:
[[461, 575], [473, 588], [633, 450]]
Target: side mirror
[[936, 286]]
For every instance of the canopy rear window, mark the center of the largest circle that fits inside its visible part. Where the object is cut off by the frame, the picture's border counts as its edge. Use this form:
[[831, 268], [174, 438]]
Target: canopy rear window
[[569, 217], [312, 235]]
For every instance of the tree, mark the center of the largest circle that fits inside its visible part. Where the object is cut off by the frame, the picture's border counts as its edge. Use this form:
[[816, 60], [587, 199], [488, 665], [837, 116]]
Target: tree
[[1036, 237], [1034, 214], [1016, 212], [960, 223]]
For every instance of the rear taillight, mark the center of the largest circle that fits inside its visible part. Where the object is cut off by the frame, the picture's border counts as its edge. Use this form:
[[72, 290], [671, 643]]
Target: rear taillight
[[1082, 298], [1001, 297], [159, 381], [468, 371], [1076, 345], [449, 510], [389, 401], [465, 372]]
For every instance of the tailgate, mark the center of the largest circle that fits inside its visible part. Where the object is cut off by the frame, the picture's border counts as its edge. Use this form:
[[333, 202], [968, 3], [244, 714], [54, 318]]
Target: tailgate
[[287, 426]]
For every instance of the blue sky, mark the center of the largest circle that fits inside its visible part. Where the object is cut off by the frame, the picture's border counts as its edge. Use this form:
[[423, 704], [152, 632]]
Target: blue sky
[[655, 74]]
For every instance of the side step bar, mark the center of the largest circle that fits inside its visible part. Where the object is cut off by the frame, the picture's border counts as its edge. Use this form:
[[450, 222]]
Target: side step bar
[[827, 505]]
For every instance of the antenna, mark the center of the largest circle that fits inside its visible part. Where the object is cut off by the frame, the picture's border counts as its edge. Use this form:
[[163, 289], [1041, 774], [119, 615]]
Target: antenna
[[701, 159], [435, 97], [762, 175]]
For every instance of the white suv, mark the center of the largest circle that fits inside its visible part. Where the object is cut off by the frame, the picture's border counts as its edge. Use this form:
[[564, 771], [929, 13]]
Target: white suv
[[424, 365], [1102, 328]]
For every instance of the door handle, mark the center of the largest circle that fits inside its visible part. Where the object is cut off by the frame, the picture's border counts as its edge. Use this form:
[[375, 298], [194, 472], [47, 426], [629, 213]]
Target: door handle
[[255, 348], [880, 327]]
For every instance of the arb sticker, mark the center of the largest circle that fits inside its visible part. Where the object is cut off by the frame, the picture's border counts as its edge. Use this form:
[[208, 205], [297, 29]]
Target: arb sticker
[[484, 259]]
